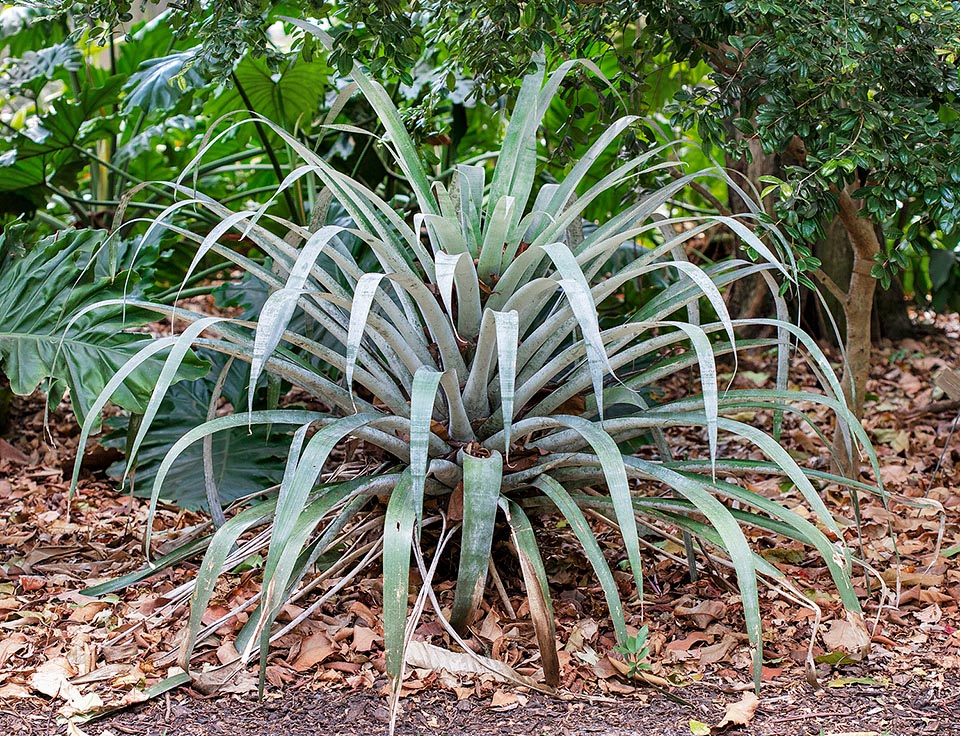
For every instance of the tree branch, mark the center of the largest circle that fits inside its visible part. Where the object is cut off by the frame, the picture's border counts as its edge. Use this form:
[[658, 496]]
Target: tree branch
[[705, 193], [863, 237], [830, 285]]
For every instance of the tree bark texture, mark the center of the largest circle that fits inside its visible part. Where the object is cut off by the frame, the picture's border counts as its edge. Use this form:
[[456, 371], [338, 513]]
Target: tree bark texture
[[859, 308], [750, 297], [889, 320]]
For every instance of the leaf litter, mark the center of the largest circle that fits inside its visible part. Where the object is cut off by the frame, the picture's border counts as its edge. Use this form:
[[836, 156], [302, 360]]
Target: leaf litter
[[64, 655]]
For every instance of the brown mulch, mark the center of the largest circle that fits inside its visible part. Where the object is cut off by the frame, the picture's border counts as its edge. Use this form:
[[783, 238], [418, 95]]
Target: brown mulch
[[930, 706], [61, 652]]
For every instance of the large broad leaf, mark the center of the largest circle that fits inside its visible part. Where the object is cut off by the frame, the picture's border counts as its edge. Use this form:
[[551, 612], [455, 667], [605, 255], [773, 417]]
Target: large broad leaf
[[290, 97], [50, 150], [24, 29], [39, 295], [35, 69], [161, 82], [244, 461], [942, 263]]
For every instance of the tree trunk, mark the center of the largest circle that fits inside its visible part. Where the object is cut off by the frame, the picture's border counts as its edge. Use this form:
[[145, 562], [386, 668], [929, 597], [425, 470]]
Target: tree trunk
[[859, 308], [890, 319], [749, 298], [836, 258]]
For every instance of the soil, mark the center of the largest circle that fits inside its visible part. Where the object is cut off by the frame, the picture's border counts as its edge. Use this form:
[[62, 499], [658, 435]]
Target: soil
[[928, 707], [62, 651]]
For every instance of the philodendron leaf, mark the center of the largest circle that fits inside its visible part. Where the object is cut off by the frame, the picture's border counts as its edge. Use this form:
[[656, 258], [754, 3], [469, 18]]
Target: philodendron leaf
[[52, 148], [161, 82], [244, 460], [39, 294], [290, 97]]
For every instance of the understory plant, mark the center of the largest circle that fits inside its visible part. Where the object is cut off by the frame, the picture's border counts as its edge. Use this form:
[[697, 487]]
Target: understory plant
[[472, 367], [44, 282]]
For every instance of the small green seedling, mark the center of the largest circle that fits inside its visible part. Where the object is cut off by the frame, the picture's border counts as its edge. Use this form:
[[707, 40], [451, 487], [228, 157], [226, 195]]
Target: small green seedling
[[635, 650]]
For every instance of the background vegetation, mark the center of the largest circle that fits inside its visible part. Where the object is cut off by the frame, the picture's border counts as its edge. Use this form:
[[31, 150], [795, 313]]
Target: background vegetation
[[437, 234]]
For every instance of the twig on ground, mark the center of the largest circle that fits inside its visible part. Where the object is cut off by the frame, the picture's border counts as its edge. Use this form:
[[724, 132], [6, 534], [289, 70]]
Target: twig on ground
[[817, 714]]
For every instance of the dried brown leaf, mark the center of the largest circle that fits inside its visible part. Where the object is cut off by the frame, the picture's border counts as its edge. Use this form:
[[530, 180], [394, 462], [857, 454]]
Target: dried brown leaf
[[364, 639], [909, 579], [848, 636], [229, 678], [13, 691], [52, 677], [739, 713], [703, 614], [718, 652], [313, 650], [10, 646], [86, 613], [932, 614], [504, 700]]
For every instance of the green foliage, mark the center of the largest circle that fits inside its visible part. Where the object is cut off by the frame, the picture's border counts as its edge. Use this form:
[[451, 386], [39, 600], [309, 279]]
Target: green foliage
[[66, 151], [45, 157], [55, 333], [635, 651], [25, 30], [290, 94], [242, 461], [471, 358], [86, 124], [160, 83], [228, 29], [929, 268], [870, 89]]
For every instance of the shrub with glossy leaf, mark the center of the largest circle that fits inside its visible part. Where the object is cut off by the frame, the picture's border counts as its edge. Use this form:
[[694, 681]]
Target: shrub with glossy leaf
[[473, 358]]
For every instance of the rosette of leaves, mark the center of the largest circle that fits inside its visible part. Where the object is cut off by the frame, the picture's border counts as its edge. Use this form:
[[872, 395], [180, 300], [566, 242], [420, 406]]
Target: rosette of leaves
[[473, 360]]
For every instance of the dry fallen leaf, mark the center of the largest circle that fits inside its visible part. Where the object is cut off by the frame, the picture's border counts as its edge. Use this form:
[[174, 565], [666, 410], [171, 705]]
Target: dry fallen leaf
[[30, 583], [624, 669], [909, 579], [364, 639], [52, 677], [228, 678], [74, 730], [11, 453], [313, 650], [10, 646], [717, 652], [929, 615], [683, 645], [740, 713], [81, 703], [86, 613], [503, 700], [847, 636], [431, 657], [12, 691], [703, 614]]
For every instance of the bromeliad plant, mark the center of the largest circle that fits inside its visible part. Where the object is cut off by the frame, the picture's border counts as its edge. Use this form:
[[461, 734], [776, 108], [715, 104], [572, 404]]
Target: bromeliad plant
[[474, 359]]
